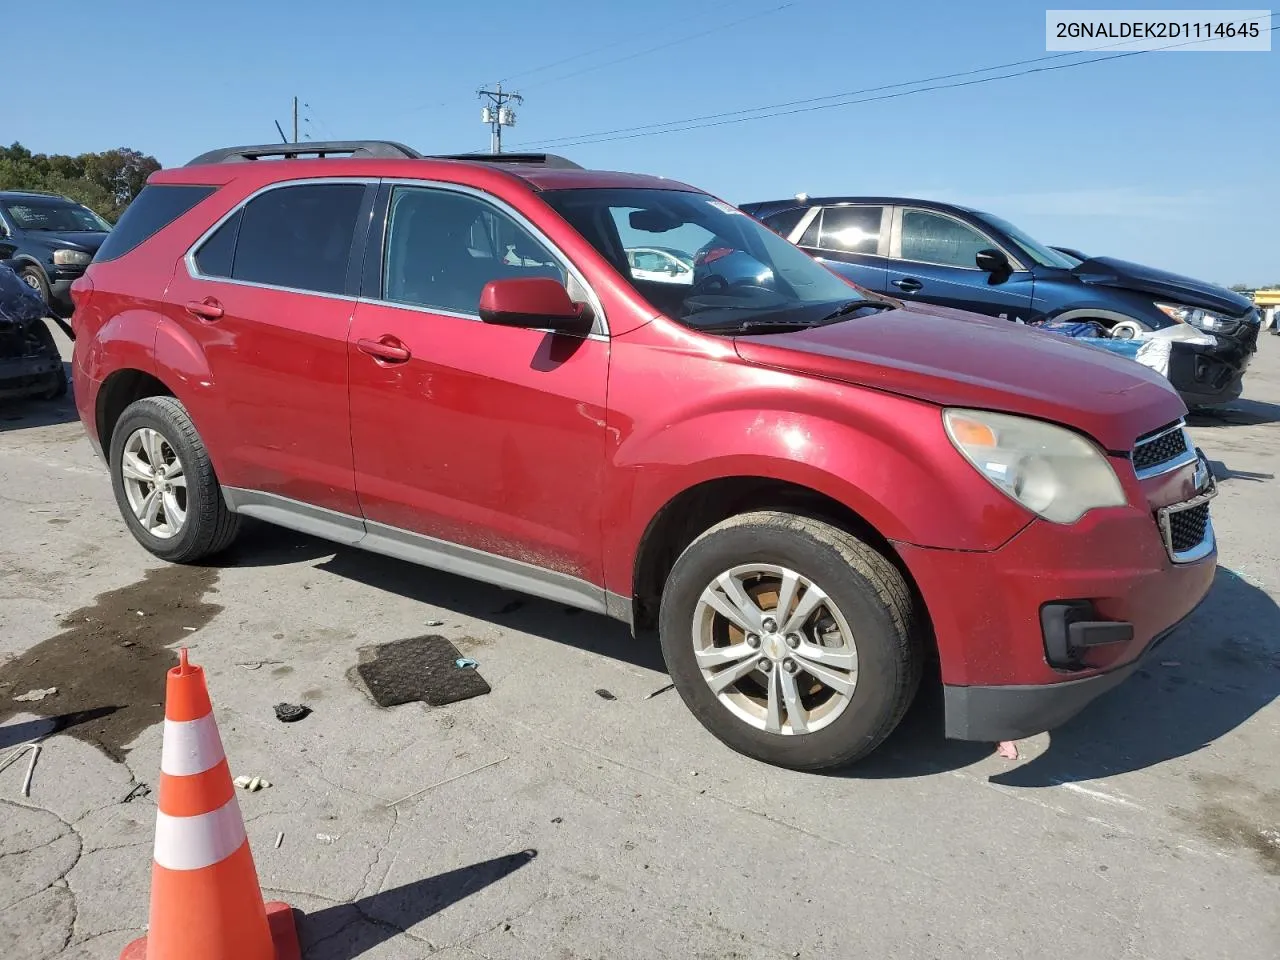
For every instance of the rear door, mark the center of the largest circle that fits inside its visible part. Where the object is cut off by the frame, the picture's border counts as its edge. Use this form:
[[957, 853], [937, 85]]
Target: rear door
[[265, 298], [853, 240], [934, 261]]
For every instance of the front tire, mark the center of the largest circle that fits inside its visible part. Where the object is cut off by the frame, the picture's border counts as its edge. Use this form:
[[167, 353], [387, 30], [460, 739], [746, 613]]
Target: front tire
[[34, 278], [790, 640], [165, 485]]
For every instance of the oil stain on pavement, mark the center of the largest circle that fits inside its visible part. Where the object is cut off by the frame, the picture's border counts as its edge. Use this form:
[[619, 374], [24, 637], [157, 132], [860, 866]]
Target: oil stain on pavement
[[109, 662]]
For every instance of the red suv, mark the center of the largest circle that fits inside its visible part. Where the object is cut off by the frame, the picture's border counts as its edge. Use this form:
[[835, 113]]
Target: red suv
[[807, 491]]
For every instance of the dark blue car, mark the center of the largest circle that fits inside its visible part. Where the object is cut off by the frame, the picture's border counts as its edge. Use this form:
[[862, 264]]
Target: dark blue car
[[957, 257]]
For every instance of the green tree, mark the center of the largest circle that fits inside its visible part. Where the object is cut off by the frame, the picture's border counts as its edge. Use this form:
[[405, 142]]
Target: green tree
[[105, 182]]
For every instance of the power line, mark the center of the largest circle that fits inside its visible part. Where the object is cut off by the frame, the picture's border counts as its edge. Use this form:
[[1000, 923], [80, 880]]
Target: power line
[[811, 104], [497, 114], [610, 46], [670, 43], [586, 53]]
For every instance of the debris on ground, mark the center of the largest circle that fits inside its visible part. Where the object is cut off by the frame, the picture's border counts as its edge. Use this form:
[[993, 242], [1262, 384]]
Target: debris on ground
[[31, 765], [257, 664], [441, 783], [32, 696], [466, 663], [139, 790], [328, 837], [669, 686], [291, 712], [557, 819], [279, 840], [604, 694], [1007, 749], [435, 623], [422, 668], [252, 784]]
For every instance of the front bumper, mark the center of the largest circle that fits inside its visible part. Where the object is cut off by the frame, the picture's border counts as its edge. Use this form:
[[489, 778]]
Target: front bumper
[[986, 609], [28, 376], [1206, 376]]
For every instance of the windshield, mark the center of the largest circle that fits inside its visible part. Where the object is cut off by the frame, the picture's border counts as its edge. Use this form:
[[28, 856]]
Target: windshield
[[1037, 251], [57, 216], [724, 268]]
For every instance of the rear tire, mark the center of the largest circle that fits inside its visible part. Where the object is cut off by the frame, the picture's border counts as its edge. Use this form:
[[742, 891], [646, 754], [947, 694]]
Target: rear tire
[[154, 445], [864, 603]]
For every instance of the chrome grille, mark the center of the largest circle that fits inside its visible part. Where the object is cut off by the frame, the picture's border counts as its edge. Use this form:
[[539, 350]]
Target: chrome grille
[[1185, 527], [1165, 450]]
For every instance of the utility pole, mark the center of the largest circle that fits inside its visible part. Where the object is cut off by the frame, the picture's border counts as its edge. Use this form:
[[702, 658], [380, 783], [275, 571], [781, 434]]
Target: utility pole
[[497, 114], [295, 119]]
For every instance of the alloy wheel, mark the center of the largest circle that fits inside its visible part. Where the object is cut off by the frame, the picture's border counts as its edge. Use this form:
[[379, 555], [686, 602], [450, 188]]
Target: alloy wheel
[[775, 649], [154, 483]]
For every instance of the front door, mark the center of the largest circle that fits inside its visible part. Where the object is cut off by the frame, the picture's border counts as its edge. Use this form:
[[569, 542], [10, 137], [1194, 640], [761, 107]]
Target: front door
[[464, 433], [934, 261]]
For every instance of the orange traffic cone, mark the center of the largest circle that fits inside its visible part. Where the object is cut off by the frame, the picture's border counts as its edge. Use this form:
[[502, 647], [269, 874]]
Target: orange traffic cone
[[205, 900]]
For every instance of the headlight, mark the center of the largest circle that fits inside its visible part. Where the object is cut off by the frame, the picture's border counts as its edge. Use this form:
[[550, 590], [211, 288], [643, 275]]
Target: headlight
[[1050, 470], [1204, 319], [71, 258]]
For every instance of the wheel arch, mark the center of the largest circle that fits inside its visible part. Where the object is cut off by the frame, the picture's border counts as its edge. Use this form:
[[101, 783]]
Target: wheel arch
[[120, 389], [697, 508]]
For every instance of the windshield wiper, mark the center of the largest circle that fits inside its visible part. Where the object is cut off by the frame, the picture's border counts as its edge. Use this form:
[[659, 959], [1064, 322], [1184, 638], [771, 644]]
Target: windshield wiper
[[762, 326], [853, 306]]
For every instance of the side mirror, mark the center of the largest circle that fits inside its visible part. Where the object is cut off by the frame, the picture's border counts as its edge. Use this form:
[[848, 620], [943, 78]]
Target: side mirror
[[536, 303], [992, 261]]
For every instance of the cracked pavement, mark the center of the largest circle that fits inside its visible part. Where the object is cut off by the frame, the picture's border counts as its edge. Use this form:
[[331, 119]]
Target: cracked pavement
[[1147, 828]]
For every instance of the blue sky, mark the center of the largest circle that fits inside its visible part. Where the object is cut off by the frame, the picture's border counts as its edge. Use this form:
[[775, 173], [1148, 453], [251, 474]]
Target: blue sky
[[1169, 159]]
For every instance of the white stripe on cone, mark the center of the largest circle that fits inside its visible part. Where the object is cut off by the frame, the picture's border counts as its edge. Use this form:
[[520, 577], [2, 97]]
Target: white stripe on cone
[[192, 843], [190, 747]]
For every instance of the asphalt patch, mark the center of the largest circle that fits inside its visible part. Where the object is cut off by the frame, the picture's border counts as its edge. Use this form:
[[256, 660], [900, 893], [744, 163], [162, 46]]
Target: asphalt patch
[[109, 662], [419, 668]]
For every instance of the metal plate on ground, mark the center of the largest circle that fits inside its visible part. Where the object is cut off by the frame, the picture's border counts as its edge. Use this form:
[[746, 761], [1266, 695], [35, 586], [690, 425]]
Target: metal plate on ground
[[419, 668]]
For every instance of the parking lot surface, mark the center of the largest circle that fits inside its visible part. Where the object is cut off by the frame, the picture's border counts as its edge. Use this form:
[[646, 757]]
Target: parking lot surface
[[569, 814]]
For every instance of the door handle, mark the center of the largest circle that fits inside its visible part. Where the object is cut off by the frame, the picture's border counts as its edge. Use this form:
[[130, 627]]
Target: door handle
[[908, 285], [206, 309], [387, 349]]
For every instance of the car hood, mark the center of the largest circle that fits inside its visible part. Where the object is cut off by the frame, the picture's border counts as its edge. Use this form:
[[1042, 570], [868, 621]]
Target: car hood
[[79, 239], [953, 358], [1108, 272]]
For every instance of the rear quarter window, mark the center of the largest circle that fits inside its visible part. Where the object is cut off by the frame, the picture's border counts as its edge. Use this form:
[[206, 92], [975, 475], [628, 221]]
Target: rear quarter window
[[157, 206]]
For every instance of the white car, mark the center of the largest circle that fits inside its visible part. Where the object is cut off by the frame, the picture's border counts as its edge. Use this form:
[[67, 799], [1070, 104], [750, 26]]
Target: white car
[[660, 265]]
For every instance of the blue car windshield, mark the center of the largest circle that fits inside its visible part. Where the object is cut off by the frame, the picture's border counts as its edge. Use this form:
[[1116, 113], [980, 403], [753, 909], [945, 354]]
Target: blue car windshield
[[1037, 251], [739, 270]]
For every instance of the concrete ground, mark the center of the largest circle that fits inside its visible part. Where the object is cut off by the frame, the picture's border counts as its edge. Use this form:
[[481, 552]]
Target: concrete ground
[[1149, 827]]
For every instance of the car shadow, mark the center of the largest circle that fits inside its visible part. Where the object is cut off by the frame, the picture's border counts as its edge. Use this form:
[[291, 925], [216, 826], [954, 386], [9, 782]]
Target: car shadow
[[351, 930], [1220, 669], [23, 414], [262, 544], [1222, 472], [1240, 413]]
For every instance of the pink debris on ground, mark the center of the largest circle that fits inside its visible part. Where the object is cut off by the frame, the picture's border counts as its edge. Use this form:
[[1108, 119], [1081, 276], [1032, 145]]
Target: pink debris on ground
[[1007, 749]]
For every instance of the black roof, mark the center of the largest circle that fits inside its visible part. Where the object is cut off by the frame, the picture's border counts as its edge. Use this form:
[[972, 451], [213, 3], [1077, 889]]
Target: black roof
[[792, 202], [38, 194]]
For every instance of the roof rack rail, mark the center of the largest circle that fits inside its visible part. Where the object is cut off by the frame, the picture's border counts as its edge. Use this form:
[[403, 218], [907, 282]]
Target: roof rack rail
[[538, 159], [312, 148]]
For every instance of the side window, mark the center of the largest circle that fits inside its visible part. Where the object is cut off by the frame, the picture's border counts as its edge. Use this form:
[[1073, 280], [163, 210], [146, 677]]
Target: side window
[[851, 229], [216, 255], [298, 237], [810, 236], [933, 238], [783, 223], [156, 207], [443, 247]]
